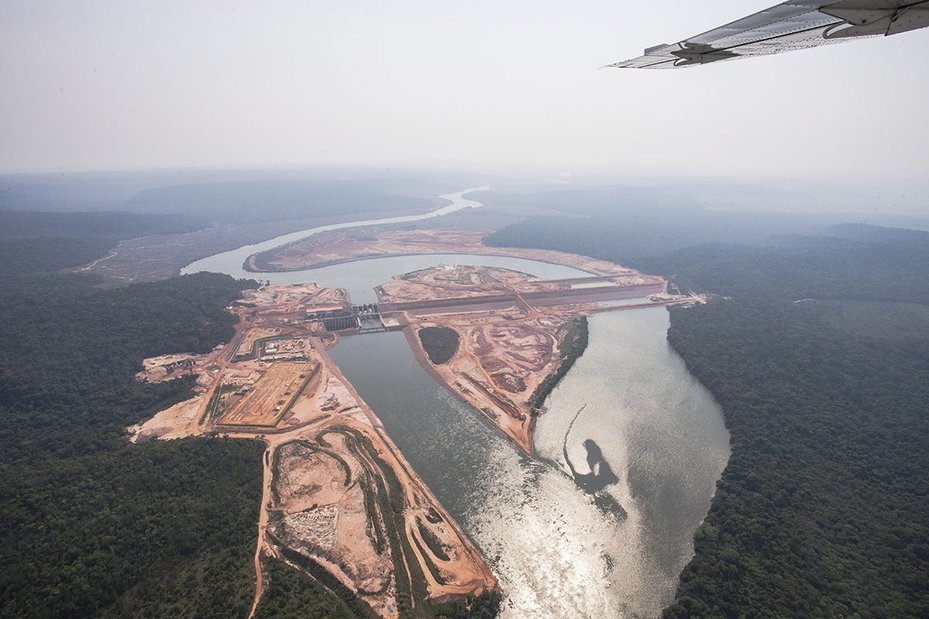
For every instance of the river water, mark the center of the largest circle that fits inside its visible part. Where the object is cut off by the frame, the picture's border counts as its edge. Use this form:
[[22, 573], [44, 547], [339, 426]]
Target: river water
[[231, 261], [654, 436]]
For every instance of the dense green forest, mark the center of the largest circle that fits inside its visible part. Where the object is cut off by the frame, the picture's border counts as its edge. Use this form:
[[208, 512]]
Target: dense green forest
[[92, 225], [291, 593], [92, 525], [822, 510], [34, 242], [36, 255], [440, 343], [819, 356]]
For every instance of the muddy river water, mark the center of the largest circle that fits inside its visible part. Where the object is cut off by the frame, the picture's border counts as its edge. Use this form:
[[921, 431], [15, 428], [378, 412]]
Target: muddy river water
[[628, 418]]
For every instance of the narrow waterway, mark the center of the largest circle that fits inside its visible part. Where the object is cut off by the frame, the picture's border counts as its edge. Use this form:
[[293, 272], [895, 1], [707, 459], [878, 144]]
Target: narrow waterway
[[231, 262], [661, 433], [635, 426], [558, 551]]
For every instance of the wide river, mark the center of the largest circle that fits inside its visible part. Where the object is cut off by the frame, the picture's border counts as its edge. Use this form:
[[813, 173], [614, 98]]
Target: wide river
[[557, 551]]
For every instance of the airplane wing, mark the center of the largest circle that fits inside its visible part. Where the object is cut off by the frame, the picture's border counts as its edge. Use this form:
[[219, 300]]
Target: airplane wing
[[797, 24]]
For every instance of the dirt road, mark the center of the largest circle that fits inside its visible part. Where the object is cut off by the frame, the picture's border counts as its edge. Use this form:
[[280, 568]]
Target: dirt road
[[262, 526]]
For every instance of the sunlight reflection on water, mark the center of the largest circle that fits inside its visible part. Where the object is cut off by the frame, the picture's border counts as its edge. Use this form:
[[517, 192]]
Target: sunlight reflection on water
[[556, 552]]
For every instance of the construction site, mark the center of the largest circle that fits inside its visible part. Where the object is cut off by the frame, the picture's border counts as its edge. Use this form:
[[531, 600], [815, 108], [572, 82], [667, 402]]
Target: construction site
[[340, 502], [514, 330]]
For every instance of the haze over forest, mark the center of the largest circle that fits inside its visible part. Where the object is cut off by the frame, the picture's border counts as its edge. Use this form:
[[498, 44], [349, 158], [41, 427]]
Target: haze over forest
[[600, 342], [130, 85]]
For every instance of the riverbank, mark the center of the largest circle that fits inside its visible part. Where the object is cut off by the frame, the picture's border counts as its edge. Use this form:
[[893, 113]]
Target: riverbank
[[162, 256], [604, 566], [510, 353], [232, 262], [340, 247], [340, 500]]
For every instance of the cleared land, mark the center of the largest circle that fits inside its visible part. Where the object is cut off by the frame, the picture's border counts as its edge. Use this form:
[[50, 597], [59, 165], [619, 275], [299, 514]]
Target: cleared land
[[341, 504], [160, 256], [350, 245], [272, 397], [517, 333], [503, 357], [511, 327]]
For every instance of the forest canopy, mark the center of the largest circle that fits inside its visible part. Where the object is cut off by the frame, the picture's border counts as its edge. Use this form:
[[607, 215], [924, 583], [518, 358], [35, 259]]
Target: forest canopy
[[818, 352], [93, 525]]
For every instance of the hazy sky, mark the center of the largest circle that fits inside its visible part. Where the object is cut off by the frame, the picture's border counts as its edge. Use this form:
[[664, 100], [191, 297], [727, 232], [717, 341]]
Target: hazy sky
[[131, 84]]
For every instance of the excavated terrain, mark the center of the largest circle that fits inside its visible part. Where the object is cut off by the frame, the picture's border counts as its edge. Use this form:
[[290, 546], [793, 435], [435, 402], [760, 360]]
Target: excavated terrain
[[340, 501]]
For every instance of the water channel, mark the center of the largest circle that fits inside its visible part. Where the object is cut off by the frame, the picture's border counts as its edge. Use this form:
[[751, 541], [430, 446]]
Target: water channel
[[628, 407], [231, 261]]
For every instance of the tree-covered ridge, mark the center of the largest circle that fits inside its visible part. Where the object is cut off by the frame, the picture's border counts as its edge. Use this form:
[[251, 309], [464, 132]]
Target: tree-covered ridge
[[230, 195], [821, 511], [50, 253], [71, 352], [840, 262], [280, 199], [291, 593], [820, 360], [93, 525], [164, 529], [878, 268], [35, 242], [92, 224]]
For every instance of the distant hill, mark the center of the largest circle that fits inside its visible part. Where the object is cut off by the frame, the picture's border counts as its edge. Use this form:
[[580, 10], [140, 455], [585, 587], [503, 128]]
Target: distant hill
[[92, 225], [55, 221], [818, 356], [277, 199], [33, 241], [231, 196]]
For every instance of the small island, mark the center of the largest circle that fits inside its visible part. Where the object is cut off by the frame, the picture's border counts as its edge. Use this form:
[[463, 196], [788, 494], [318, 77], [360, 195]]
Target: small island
[[501, 340], [498, 339]]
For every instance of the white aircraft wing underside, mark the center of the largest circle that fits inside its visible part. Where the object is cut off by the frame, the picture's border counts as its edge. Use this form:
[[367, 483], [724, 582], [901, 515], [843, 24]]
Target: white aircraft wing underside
[[798, 24]]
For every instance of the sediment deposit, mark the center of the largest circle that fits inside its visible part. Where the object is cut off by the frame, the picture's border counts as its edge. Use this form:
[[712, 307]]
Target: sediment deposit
[[504, 354], [349, 245], [340, 501]]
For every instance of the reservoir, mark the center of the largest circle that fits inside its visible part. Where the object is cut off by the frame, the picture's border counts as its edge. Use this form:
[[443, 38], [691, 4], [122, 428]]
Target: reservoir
[[357, 277], [555, 551], [628, 406]]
